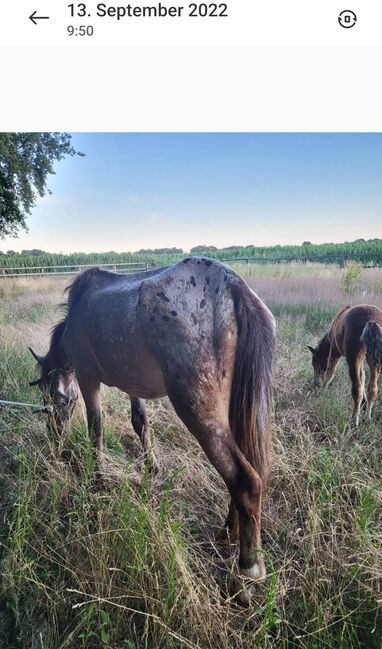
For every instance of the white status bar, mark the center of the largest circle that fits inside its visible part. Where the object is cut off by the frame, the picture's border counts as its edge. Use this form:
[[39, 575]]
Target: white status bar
[[176, 23]]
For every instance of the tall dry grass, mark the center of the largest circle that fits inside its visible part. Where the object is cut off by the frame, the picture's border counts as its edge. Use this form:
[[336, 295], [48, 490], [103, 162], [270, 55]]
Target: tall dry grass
[[131, 568]]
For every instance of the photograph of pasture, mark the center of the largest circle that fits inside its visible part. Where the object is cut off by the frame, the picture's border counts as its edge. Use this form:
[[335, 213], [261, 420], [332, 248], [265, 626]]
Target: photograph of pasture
[[190, 425]]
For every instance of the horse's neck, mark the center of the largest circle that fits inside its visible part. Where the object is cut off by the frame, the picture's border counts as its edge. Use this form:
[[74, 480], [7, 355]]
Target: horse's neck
[[324, 345], [56, 357]]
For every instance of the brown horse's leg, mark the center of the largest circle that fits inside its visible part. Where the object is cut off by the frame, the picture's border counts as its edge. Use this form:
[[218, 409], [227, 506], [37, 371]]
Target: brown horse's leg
[[91, 395], [372, 389], [142, 428], [357, 377], [245, 487], [333, 359], [243, 482]]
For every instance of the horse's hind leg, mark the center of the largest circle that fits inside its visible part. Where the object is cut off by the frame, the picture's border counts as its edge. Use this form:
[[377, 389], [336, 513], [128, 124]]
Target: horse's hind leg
[[372, 389], [142, 428], [243, 482], [357, 377]]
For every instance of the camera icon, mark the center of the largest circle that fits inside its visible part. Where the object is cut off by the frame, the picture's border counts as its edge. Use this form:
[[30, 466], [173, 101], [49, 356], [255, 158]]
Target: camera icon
[[347, 19]]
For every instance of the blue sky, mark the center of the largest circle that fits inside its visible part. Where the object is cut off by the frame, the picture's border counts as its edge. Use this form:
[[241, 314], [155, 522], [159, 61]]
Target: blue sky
[[136, 191]]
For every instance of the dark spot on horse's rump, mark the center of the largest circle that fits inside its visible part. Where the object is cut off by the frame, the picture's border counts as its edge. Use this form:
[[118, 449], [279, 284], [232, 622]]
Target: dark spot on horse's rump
[[208, 262], [193, 281], [163, 296], [198, 262], [165, 317], [224, 373], [174, 313], [207, 280], [194, 318], [202, 304], [225, 277], [185, 261], [204, 289], [152, 319], [216, 290]]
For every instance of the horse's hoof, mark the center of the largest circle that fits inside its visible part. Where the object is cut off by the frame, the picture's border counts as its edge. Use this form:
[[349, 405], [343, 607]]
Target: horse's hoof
[[243, 586]]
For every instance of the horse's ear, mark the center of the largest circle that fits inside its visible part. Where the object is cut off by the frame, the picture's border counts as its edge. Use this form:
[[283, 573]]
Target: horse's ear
[[39, 359], [311, 349]]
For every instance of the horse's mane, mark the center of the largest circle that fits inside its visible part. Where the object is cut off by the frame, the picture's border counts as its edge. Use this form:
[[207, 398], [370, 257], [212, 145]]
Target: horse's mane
[[57, 332], [56, 357], [93, 277]]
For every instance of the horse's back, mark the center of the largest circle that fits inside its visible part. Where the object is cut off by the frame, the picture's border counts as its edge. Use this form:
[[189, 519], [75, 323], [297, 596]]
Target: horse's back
[[187, 296], [144, 332], [187, 313]]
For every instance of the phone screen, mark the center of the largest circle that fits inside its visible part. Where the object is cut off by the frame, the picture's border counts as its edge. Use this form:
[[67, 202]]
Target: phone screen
[[190, 324]]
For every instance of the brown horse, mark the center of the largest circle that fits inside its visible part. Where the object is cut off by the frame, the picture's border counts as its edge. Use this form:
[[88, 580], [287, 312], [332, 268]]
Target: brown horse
[[356, 333], [195, 332]]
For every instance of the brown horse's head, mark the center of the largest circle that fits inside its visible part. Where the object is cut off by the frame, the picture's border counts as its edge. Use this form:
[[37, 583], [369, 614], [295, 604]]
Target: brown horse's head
[[59, 389], [320, 355]]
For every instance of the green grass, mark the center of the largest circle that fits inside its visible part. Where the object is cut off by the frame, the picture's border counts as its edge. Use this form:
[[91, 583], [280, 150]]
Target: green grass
[[131, 567]]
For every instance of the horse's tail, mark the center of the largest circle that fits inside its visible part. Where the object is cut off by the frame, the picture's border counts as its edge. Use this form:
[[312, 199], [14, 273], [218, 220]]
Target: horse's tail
[[251, 404], [372, 337]]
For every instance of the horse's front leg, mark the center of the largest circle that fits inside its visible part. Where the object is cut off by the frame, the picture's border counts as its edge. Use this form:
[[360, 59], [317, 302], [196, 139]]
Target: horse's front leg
[[334, 357], [142, 428], [91, 395]]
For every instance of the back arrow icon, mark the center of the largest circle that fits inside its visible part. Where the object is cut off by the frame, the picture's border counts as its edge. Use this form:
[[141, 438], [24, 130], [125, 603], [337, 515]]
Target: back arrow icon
[[34, 18]]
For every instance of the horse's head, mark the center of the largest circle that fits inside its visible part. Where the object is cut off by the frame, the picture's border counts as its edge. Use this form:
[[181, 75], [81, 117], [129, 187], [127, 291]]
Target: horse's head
[[59, 389], [319, 363]]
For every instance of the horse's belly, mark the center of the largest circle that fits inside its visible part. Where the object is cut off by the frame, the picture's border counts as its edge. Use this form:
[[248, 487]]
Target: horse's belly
[[134, 371], [150, 387]]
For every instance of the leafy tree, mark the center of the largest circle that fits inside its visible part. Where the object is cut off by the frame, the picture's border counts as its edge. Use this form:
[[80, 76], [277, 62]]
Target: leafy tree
[[26, 159], [35, 252], [197, 249]]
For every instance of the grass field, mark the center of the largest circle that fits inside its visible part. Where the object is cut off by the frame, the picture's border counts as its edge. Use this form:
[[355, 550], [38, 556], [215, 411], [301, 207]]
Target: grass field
[[126, 568]]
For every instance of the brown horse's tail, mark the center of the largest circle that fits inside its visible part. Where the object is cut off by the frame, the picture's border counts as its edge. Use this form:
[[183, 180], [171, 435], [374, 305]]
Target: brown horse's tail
[[372, 337], [251, 403]]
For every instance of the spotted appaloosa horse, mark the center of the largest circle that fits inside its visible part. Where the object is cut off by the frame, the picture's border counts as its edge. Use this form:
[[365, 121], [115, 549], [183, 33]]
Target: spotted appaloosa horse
[[195, 332], [356, 333]]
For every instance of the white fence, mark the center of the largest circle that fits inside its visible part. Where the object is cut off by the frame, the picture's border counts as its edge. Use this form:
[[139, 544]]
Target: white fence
[[41, 271]]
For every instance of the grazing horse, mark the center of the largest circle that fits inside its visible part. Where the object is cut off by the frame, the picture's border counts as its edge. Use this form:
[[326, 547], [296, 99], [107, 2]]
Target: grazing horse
[[195, 332], [356, 333]]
